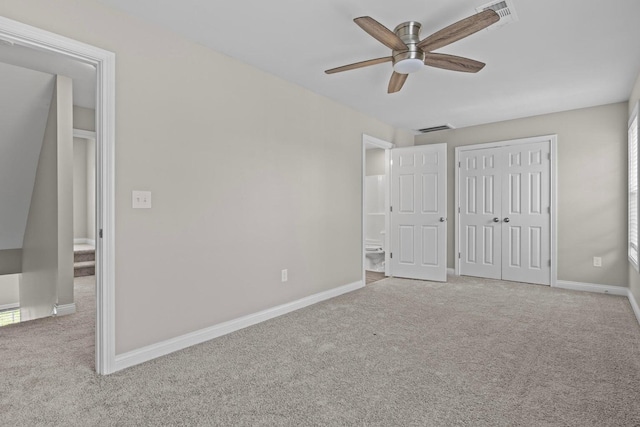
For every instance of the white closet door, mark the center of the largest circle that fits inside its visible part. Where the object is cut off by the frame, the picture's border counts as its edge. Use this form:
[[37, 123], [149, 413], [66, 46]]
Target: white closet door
[[480, 213], [526, 213], [419, 212]]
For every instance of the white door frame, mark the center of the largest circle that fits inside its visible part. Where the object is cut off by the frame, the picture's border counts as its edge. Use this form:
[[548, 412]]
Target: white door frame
[[104, 62], [553, 142], [379, 143]]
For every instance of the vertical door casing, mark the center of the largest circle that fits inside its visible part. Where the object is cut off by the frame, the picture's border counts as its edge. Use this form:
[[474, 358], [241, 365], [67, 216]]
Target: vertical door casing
[[526, 202], [480, 218], [419, 212]]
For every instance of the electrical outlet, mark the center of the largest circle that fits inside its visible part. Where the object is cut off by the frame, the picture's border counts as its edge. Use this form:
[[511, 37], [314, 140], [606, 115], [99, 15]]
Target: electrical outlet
[[597, 261], [285, 275]]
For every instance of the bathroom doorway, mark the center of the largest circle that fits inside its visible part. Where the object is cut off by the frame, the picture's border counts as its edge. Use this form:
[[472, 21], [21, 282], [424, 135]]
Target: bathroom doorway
[[375, 208]]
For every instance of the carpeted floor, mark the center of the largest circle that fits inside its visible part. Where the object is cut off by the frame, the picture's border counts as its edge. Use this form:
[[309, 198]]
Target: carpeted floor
[[397, 353]]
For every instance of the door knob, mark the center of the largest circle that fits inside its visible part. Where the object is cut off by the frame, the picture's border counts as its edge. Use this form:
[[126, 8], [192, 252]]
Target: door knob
[[442, 219], [506, 220], [496, 219]]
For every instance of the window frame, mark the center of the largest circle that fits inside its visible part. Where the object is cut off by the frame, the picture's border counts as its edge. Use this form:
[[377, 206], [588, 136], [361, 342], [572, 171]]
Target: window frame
[[633, 245]]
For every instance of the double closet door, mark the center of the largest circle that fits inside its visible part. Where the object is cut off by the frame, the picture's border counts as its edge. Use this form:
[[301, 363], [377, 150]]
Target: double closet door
[[505, 219]]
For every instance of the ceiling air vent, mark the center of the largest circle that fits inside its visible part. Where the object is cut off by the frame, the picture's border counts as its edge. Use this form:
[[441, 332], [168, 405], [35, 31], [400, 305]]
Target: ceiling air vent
[[503, 8], [435, 128]]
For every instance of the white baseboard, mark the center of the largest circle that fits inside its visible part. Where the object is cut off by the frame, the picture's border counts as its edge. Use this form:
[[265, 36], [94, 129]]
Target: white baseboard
[[153, 351], [84, 241], [10, 306], [64, 309], [592, 287], [634, 304]]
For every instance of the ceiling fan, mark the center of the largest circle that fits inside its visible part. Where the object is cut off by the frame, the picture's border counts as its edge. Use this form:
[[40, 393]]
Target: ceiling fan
[[409, 54]]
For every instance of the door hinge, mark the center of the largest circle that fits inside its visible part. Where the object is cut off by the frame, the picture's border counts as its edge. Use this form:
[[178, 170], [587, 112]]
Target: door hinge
[[458, 210], [390, 208], [549, 209], [459, 255], [390, 254], [549, 156], [549, 263], [100, 233], [459, 164]]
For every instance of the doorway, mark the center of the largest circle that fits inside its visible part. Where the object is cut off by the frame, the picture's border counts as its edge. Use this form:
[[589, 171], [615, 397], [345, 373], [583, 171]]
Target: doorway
[[59, 47], [505, 204], [414, 211], [375, 208]]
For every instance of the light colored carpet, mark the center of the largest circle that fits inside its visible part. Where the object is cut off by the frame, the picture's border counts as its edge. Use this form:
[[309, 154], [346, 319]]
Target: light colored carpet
[[397, 353]]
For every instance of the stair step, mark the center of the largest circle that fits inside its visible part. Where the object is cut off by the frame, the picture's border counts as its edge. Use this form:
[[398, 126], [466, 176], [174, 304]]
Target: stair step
[[84, 255], [83, 264], [84, 268]]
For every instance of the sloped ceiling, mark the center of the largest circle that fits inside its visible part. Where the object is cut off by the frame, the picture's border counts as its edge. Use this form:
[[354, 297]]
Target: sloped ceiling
[[25, 100]]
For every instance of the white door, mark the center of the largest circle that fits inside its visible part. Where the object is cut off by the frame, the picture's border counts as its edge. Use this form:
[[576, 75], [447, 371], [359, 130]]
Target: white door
[[419, 212], [526, 213], [505, 214], [480, 213]]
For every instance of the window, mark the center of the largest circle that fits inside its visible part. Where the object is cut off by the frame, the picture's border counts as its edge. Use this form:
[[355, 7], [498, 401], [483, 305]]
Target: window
[[633, 188]]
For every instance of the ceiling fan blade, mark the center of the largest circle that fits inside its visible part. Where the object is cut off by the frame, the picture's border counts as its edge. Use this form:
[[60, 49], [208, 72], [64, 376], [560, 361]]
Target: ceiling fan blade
[[380, 33], [396, 82], [459, 30], [452, 62], [359, 65]]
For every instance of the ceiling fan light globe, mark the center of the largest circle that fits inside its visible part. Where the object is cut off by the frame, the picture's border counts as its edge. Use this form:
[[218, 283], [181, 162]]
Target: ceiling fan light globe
[[408, 66]]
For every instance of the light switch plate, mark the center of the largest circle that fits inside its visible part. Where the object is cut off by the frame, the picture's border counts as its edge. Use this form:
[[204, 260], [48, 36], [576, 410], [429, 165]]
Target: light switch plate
[[141, 199]]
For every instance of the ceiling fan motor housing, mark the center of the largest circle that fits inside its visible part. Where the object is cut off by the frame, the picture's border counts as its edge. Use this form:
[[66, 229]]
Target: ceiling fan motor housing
[[409, 33]]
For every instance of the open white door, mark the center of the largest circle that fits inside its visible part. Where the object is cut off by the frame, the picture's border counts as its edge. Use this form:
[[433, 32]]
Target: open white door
[[419, 212]]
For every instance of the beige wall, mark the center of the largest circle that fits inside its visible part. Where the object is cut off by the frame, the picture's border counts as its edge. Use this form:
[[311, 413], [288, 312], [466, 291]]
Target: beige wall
[[9, 290], [84, 118], [79, 188], [250, 175], [374, 162], [10, 261], [84, 178], [634, 277], [47, 257], [84, 199], [591, 185], [91, 188]]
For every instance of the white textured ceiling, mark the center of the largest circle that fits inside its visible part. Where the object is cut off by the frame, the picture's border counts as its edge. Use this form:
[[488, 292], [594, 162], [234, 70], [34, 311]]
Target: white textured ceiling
[[23, 122], [560, 55]]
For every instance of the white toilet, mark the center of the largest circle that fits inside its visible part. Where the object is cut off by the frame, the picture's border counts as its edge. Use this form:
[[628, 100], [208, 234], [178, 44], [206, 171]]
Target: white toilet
[[374, 255]]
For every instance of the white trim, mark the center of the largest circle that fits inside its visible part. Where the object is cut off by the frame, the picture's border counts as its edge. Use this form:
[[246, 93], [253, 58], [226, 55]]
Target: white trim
[[592, 287], [65, 309], [84, 241], [386, 146], [553, 182], [153, 351], [104, 62], [634, 305], [377, 142], [11, 306], [85, 134], [634, 115]]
